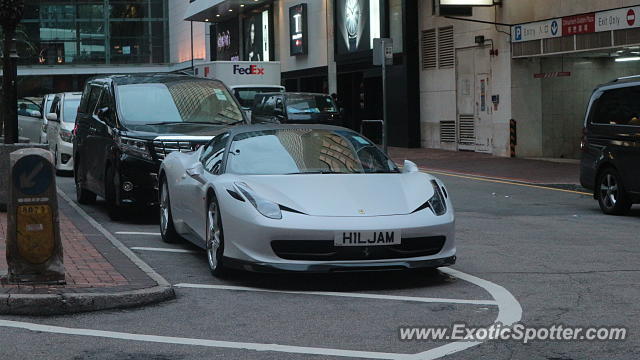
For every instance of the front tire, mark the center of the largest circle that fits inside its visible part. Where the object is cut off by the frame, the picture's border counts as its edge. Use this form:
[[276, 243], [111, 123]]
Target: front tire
[[612, 196], [167, 230], [111, 186], [215, 239]]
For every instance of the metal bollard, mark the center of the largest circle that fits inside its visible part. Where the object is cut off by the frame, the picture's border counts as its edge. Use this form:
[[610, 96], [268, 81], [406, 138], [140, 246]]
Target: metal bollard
[[34, 247]]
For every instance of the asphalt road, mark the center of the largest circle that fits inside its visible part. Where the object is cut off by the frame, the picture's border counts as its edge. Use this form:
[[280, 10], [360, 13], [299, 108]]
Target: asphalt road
[[562, 260]]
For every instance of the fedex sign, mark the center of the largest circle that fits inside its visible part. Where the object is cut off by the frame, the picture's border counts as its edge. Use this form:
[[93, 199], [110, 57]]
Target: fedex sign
[[249, 70]]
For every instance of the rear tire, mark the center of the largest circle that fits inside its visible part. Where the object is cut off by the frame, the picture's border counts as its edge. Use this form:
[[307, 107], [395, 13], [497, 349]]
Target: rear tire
[[167, 230], [215, 239], [612, 196]]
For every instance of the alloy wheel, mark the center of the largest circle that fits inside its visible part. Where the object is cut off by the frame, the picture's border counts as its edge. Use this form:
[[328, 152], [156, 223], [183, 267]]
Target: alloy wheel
[[164, 208], [609, 190], [213, 236]]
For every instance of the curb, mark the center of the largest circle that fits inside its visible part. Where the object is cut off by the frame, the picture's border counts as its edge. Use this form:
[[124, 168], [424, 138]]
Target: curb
[[71, 303]]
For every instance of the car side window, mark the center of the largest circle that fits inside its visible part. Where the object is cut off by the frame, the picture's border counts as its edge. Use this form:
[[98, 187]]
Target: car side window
[[54, 106], [94, 96], [212, 155], [269, 105], [85, 99], [618, 107], [105, 102]]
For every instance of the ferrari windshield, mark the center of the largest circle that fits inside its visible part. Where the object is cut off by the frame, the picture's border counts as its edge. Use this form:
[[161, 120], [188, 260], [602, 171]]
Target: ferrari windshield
[[188, 101], [305, 151]]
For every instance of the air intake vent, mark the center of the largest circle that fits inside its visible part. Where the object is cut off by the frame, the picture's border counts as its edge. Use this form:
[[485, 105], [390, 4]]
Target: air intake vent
[[446, 50], [556, 45], [448, 131], [467, 130], [429, 49], [526, 48], [626, 37], [593, 41]]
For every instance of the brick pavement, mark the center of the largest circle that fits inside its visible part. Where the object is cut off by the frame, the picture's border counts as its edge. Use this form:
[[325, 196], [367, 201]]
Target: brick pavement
[[91, 262], [471, 163]]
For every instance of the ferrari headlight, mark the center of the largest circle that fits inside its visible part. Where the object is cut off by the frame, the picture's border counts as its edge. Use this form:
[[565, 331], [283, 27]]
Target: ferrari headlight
[[437, 202], [66, 135], [264, 207], [134, 147]]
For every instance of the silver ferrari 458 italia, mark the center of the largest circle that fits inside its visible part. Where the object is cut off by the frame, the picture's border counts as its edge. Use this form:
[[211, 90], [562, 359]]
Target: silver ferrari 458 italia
[[310, 198]]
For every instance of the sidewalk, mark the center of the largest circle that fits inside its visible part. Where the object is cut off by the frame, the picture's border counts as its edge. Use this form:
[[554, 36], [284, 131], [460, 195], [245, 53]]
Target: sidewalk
[[100, 273], [477, 164]]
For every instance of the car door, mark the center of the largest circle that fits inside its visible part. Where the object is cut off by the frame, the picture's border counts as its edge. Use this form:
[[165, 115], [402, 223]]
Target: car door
[[193, 185], [90, 147], [53, 126], [103, 120]]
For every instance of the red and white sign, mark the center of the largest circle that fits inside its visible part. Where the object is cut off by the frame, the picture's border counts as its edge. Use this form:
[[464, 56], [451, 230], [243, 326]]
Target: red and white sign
[[618, 19], [631, 17], [579, 24]]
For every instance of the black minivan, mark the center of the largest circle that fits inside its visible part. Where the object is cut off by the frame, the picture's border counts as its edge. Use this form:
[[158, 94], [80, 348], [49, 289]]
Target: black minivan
[[610, 145], [127, 124], [295, 108]]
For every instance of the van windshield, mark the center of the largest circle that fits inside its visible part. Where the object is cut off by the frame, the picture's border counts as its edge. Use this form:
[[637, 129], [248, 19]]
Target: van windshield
[[188, 101], [70, 110]]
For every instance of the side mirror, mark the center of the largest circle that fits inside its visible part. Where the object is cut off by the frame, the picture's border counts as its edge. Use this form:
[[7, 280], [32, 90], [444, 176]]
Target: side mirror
[[36, 114], [103, 112], [52, 117], [410, 167]]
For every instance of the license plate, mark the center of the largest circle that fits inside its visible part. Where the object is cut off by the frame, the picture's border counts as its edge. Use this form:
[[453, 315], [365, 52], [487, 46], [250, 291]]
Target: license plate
[[367, 238]]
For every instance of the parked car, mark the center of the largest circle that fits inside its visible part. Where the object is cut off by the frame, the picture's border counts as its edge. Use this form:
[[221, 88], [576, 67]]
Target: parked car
[[46, 108], [61, 121], [311, 198], [127, 124], [29, 119], [610, 145], [295, 108], [246, 94]]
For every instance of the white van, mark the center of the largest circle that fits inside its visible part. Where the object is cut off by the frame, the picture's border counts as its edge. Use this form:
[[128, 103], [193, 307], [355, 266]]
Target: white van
[[245, 79], [61, 121]]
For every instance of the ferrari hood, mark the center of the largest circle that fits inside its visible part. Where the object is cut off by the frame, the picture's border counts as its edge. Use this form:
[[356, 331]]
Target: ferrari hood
[[345, 195]]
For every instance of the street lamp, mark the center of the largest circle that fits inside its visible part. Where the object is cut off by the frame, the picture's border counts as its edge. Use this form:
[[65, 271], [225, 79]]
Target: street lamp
[[10, 15]]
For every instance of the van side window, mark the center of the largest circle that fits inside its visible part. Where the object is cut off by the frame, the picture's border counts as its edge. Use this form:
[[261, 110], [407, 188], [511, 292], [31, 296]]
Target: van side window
[[94, 96], [618, 107], [105, 101], [85, 99]]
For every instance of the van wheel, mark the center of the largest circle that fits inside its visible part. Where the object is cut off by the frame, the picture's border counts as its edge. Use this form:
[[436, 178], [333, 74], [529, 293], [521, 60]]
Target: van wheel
[[612, 197], [110, 186]]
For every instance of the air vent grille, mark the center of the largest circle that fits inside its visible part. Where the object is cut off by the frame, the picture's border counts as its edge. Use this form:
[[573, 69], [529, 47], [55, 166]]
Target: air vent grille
[[446, 49], [467, 130], [448, 131], [429, 49]]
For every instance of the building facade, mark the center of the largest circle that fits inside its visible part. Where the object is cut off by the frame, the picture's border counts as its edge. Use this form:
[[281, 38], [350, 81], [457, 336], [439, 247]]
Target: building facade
[[62, 43], [538, 68]]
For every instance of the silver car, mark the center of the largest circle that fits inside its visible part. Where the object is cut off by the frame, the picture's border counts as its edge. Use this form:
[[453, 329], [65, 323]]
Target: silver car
[[308, 198], [29, 119]]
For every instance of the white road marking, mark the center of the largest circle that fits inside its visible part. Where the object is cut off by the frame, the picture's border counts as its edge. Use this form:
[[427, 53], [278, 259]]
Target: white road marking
[[201, 342], [137, 233], [341, 294], [509, 313], [164, 250]]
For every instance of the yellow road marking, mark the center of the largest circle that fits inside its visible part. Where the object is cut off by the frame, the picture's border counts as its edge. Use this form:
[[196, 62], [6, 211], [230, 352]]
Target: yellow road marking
[[505, 182]]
